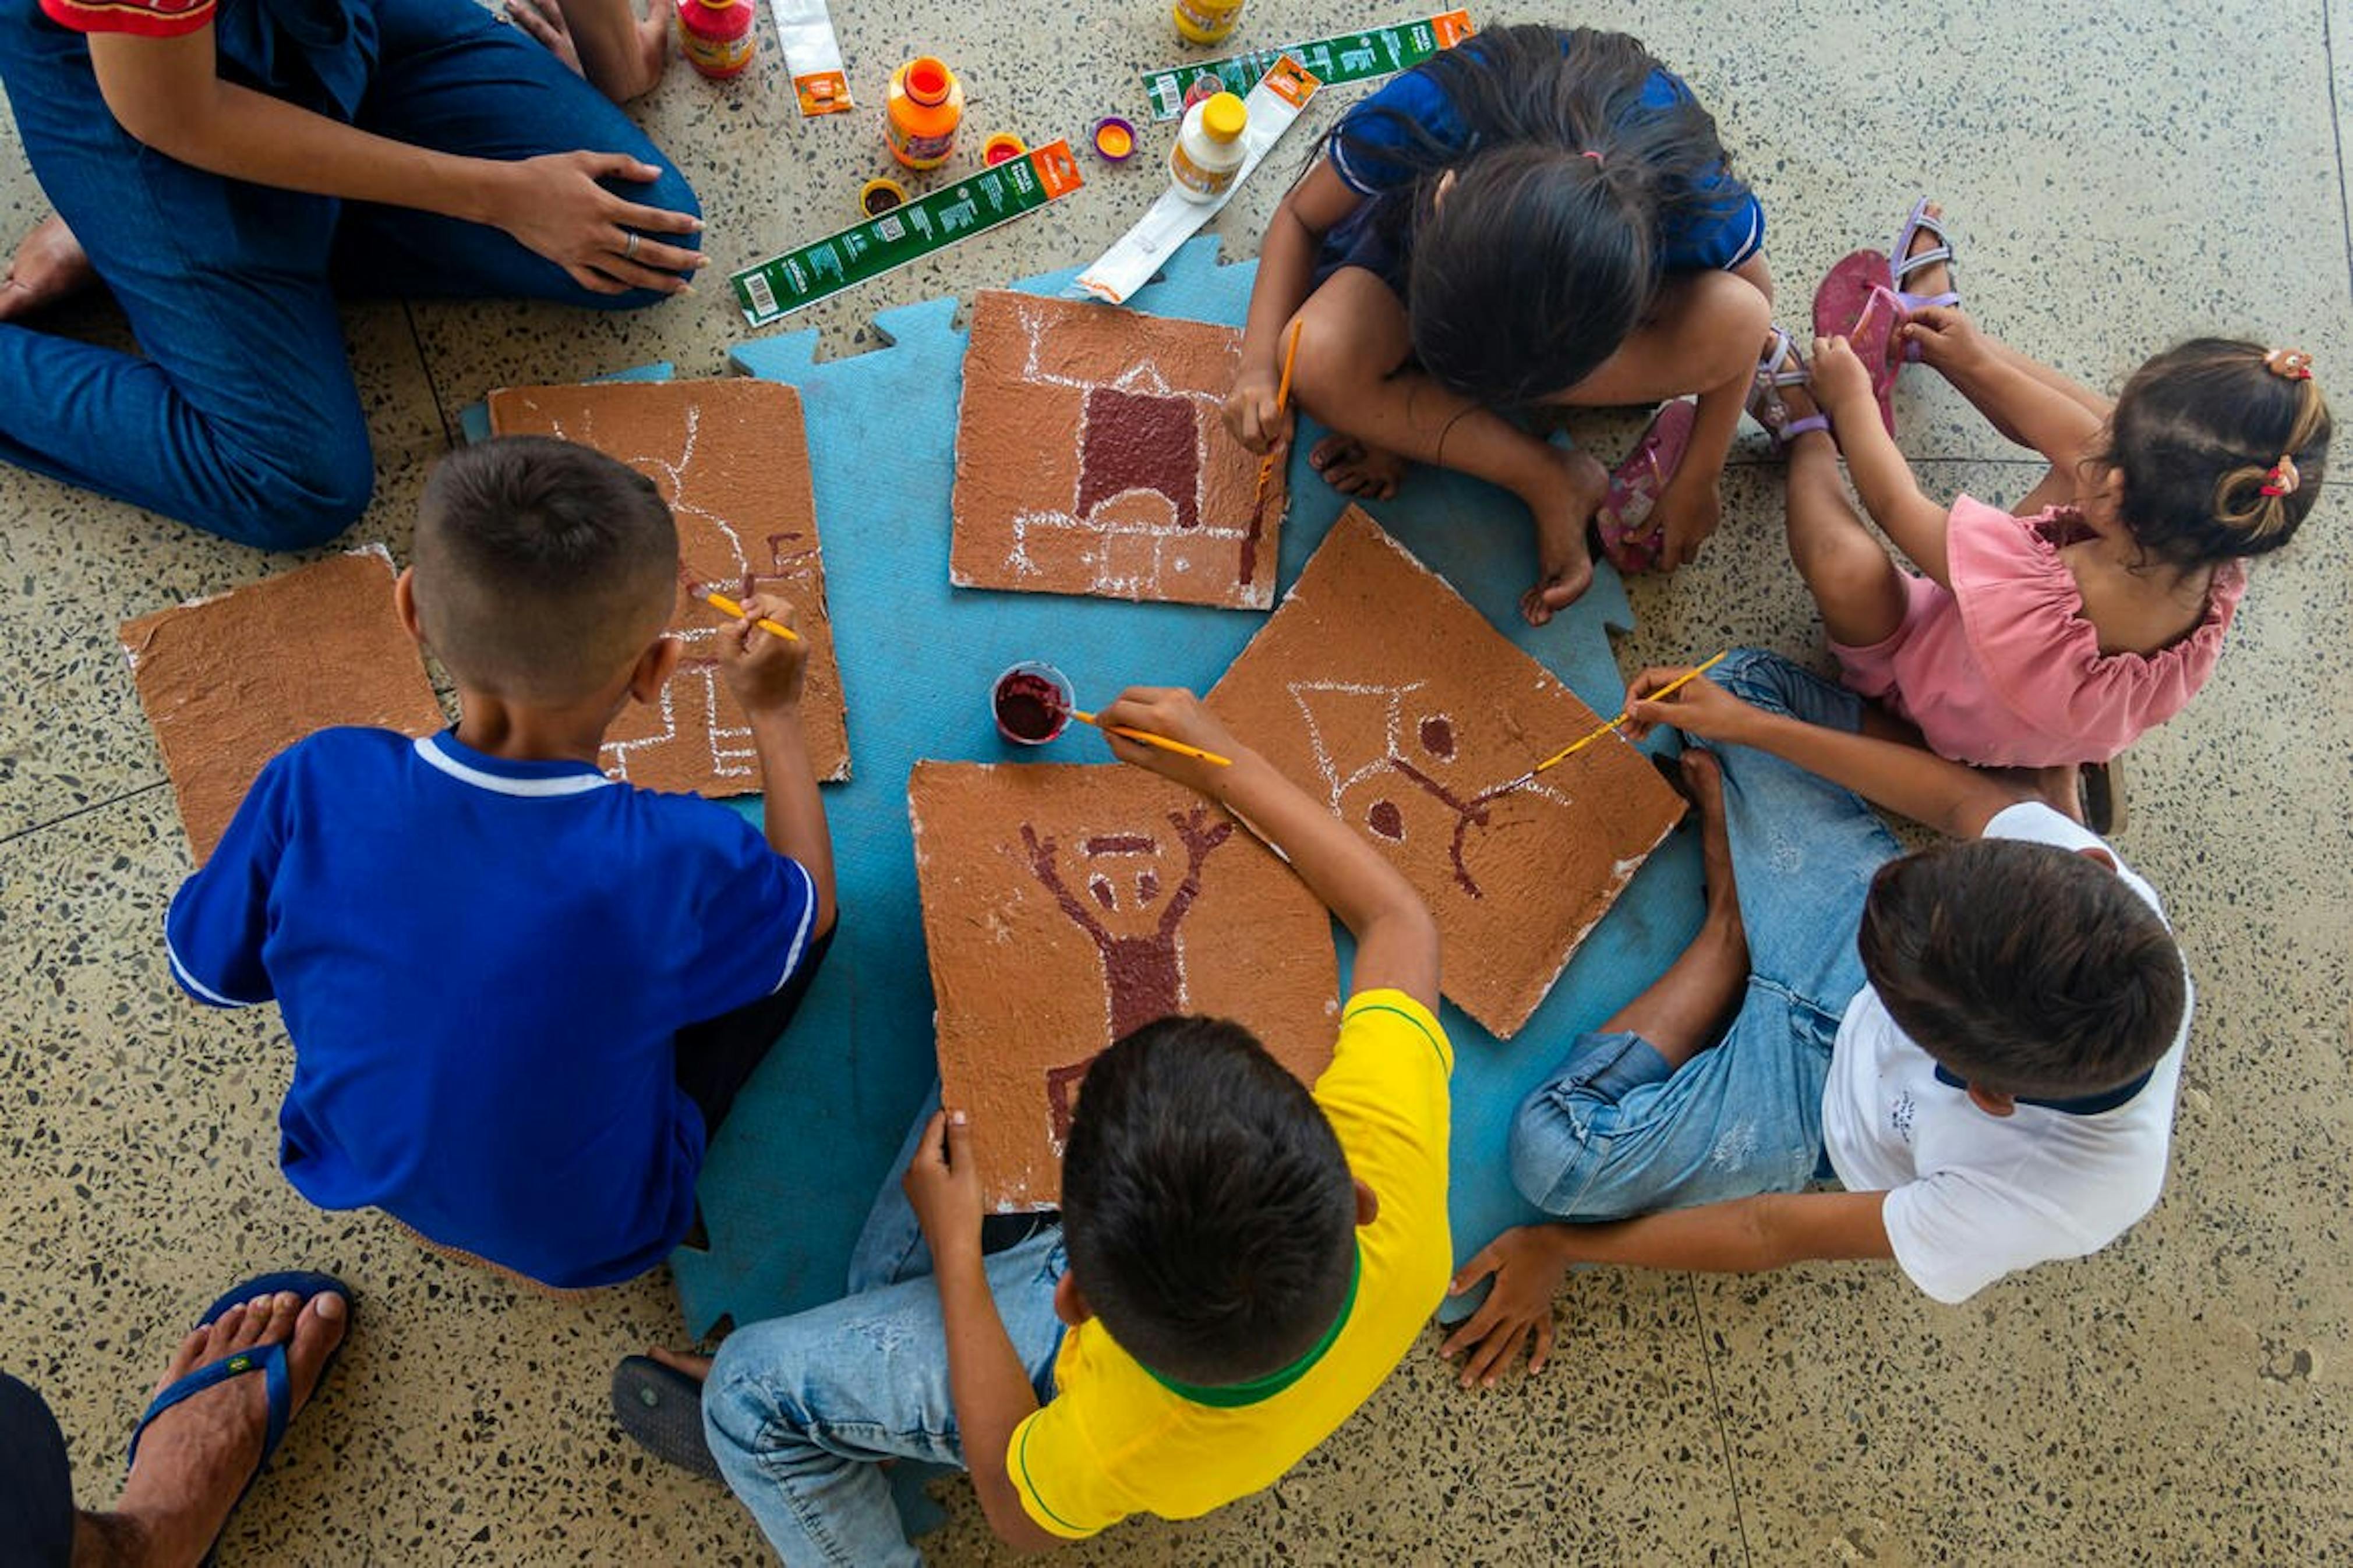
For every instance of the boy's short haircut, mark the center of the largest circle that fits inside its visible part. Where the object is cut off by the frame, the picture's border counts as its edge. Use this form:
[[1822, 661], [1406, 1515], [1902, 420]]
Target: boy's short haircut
[[2024, 968], [1208, 1212], [543, 568]]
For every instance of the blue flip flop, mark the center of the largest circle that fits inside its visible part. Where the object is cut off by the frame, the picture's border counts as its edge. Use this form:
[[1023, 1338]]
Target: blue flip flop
[[268, 1360]]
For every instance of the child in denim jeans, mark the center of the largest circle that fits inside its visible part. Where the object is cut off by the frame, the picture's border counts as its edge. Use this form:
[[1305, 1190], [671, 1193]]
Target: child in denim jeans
[[1981, 1042]]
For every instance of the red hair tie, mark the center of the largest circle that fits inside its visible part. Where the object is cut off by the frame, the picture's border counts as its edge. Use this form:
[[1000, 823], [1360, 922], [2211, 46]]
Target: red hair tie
[[2289, 364], [2283, 480], [1589, 152]]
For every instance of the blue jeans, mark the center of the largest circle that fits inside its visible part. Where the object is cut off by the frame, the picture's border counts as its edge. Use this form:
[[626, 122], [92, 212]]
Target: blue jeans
[[242, 418], [799, 1410], [1616, 1132]]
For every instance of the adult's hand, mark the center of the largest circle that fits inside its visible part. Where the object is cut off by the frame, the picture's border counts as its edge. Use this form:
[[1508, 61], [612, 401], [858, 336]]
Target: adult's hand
[[554, 206]]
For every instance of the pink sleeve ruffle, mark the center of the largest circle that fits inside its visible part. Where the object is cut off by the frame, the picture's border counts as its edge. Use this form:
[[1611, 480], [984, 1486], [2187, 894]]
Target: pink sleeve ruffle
[[2024, 619]]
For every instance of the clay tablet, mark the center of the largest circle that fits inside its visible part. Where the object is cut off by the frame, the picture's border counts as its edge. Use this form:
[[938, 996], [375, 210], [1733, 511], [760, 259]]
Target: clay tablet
[[732, 460], [230, 682], [1091, 458], [1380, 686], [1064, 906]]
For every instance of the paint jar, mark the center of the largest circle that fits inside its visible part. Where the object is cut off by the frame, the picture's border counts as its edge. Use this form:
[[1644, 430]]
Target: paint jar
[[1209, 152], [921, 111], [717, 35], [1002, 148], [1205, 21], [880, 196], [1032, 703]]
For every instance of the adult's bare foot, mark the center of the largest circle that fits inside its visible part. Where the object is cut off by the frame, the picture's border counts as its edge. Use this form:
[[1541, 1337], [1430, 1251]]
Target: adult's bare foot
[[1355, 469], [1561, 511], [49, 266], [195, 1459]]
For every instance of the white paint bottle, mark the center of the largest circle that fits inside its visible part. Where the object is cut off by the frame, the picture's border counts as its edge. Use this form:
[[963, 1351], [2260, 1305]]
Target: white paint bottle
[[1209, 152]]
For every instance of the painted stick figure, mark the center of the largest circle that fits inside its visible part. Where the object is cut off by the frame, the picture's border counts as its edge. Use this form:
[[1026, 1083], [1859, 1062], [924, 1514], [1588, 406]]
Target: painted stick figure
[[1143, 971]]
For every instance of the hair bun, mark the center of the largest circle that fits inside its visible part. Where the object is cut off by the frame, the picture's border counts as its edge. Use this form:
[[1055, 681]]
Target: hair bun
[[2289, 364]]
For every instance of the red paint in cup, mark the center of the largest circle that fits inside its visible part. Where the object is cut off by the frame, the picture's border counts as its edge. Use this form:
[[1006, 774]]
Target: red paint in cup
[[1032, 703]]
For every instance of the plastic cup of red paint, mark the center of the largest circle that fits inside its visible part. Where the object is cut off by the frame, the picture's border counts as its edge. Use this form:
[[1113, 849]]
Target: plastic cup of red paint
[[1032, 703]]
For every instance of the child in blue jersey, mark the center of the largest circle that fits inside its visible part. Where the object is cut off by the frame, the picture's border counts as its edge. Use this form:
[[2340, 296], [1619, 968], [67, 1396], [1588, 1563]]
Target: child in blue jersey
[[523, 995], [1535, 216]]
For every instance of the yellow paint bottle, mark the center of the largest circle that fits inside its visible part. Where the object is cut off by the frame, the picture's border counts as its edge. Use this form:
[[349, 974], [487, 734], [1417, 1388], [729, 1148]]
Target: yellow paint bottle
[[921, 111], [1205, 21]]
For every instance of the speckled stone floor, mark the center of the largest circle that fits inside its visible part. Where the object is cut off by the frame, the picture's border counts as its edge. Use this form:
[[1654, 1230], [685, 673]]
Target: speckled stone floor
[[2120, 175]]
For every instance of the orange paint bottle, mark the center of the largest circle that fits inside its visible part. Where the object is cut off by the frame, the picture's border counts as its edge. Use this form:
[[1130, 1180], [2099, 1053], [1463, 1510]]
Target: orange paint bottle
[[717, 35], [921, 111]]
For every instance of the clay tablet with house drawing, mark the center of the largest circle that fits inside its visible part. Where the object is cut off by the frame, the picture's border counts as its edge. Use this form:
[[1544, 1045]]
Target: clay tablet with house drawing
[[1091, 458], [731, 457], [1065, 906], [229, 682], [1380, 687]]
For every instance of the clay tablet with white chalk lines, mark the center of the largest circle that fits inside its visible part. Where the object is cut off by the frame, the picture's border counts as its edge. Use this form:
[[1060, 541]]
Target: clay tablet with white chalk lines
[[1091, 458], [1380, 687], [1065, 906], [731, 457]]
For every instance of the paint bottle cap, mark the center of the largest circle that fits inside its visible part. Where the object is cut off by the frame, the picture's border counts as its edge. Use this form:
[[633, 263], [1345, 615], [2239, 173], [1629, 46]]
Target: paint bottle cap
[[1114, 138], [1223, 117], [1001, 148], [928, 80]]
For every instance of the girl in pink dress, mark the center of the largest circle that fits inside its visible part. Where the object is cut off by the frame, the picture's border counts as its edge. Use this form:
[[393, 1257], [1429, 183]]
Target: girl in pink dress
[[2054, 634]]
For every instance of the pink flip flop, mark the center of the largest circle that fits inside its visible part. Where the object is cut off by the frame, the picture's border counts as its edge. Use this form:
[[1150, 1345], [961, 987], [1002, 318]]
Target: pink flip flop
[[1623, 524], [1854, 302]]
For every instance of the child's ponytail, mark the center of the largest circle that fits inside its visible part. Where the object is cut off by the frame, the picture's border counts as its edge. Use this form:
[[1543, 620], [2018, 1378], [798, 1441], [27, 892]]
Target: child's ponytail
[[2222, 446]]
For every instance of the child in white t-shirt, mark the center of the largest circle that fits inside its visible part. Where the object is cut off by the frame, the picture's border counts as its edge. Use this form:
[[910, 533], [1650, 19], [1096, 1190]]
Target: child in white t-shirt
[[1981, 1042]]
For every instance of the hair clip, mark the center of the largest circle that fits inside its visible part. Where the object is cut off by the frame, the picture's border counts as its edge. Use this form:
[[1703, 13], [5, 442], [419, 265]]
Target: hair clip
[[2289, 364], [2283, 480]]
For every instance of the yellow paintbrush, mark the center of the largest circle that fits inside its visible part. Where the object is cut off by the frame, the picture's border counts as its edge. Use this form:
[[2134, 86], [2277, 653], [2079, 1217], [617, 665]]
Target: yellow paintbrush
[[1281, 402], [1610, 727], [727, 607], [1145, 738]]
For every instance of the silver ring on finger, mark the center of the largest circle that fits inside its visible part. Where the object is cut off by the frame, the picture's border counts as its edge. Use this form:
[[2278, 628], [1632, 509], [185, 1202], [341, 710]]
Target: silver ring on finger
[[629, 250]]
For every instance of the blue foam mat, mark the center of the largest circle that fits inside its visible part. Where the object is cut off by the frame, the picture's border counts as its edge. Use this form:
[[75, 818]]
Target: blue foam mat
[[812, 1136]]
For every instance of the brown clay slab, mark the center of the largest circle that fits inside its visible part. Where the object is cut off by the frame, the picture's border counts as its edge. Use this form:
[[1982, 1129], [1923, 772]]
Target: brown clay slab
[[1064, 906], [1091, 458], [229, 682], [1378, 686], [731, 457]]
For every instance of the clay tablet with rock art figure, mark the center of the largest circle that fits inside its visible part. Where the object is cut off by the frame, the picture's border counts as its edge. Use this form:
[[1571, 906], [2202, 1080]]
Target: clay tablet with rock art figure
[[1067, 906], [731, 457], [1092, 458], [1381, 688]]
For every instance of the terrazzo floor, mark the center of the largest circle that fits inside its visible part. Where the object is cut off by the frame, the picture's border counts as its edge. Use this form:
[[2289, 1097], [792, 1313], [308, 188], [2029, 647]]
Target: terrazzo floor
[[2120, 176]]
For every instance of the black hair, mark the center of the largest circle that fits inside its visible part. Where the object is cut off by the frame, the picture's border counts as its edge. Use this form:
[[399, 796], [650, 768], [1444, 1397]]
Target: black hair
[[543, 567], [1544, 253], [2024, 968], [1208, 1210], [2198, 433]]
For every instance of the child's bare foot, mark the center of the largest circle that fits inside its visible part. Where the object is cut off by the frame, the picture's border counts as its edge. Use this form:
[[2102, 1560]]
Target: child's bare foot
[[1703, 783], [195, 1459], [1937, 278], [1561, 511], [1355, 469], [49, 266], [697, 1367]]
